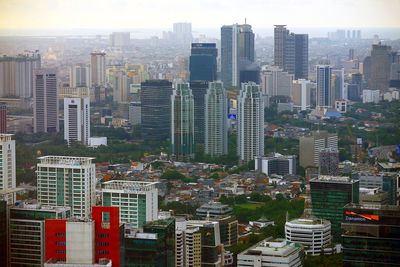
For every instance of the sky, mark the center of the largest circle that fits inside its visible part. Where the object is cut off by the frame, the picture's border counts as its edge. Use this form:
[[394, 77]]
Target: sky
[[123, 14]]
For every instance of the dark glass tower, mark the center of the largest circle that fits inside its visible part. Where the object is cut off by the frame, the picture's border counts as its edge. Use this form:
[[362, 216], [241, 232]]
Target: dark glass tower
[[301, 56], [156, 109], [203, 62], [199, 90]]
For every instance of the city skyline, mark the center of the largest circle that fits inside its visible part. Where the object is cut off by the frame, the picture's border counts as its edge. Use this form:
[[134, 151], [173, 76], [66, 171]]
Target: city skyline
[[43, 14]]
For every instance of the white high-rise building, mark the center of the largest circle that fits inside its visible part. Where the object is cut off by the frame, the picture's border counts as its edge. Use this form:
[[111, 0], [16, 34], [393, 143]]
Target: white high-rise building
[[45, 101], [276, 82], [77, 120], [324, 87], [216, 114], [7, 166], [371, 96], [98, 68], [137, 201], [301, 94], [250, 122], [187, 244], [67, 181], [79, 76]]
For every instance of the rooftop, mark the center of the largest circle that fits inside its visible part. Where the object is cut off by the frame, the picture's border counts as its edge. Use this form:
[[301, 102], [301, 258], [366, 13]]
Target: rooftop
[[5, 137], [273, 247], [311, 221], [128, 186], [63, 160], [335, 179]]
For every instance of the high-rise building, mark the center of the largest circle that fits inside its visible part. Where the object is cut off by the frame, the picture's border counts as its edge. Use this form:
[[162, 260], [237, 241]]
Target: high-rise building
[[213, 210], [249, 72], [272, 252], [120, 39], [250, 122], [329, 194], [27, 232], [79, 76], [378, 75], [182, 32], [276, 82], [3, 232], [98, 68], [69, 242], [203, 62], [155, 96], [199, 90], [7, 166], [313, 234], [3, 118], [67, 181], [182, 122], [324, 87], [237, 49], [301, 93], [338, 85], [141, 198], [329, 161], [371, 235], [371, 96], [310, 147], [16, 75], [216, 125], [121, 87], [152, 247], [45, 101], [276, 164], [385, 181], [77, 120], [187, 245], [291, 52], [135, 113]]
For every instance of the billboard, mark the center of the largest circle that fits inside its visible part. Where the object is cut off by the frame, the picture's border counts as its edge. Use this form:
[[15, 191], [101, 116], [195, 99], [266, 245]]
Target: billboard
[[350, 216]]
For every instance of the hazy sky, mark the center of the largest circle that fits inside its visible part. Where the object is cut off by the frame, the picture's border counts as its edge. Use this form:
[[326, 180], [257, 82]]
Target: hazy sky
[[64, 14]]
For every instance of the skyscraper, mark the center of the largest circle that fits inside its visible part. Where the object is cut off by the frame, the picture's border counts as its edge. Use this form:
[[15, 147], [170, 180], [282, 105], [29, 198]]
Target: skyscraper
[[216, 115], [155, 96], [187, 245], [199, 89], [324, 87], [7, 166], [250, 122], [77, 120], [67, 181], [79, 76], [45, 101], [3, 118], [121, 87], [338, 85], [98, 68], [182, 122], [183, 32], [237, 49], [379, 75], [329, 162], [203, 62], [120, 39], [301, 93], [276, 82], [291, 52]]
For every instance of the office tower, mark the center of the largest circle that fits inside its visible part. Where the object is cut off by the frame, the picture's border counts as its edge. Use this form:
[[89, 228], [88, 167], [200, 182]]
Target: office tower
[[182, 122], [16, 75], [216, 115], [98, 68], [338, 85], [79, 76], [249, 72], [378, 75], [154, 246], [135, 113], [276, 82], [187, 245], [237, 49], [182, 32], [155, 96], [329, 194], [27, 232], [45, 101], [3, 118], [279, 252], [121, 87], [71, 241], [291, 52], [210, 242], [203, 62], [351, 54], [67, 181], [310, 147], [199, 90], [329, 161], [213, 210], [371, 96], [120, 39], [276, 164], [77, 120], [250, 122], [324, 88], [141, 196], [313, 234], [3, 232], [301, 94], [7, 166], [384, 181], [371, 235]]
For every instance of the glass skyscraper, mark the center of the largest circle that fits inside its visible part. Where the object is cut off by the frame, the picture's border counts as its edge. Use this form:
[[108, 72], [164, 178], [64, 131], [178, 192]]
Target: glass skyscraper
[[203, 62]]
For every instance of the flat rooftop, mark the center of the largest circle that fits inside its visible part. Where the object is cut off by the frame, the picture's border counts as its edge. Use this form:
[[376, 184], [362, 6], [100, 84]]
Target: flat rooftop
[[64, 160], [128, 186], [334, 179], [273, 247]]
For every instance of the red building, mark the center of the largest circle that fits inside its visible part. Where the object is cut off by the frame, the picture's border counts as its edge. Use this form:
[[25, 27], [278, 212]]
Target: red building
[[107, 236], [3, 118]]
